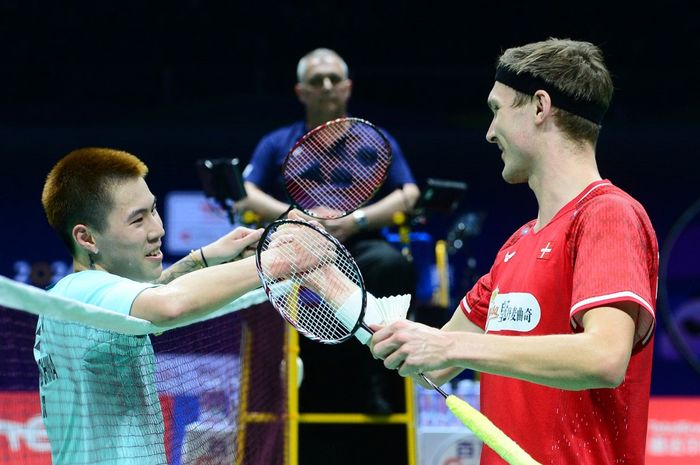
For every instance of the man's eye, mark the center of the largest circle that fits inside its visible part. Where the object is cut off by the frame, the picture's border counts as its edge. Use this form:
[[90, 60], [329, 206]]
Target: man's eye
[[317, 81], [137, 220]]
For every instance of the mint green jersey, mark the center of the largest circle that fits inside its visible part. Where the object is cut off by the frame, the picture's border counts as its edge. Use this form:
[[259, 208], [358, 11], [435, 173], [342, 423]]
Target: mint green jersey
[[98, 394]]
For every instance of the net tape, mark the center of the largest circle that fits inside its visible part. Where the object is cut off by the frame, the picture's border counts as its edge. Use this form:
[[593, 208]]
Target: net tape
[[31, 299]]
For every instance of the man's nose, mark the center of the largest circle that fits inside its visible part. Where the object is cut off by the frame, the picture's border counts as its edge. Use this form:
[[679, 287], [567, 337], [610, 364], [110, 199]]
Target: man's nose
[[157, 232]]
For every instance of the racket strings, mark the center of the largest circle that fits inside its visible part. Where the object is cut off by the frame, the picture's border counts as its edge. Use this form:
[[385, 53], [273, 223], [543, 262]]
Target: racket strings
[[357, 141], [326, 193], [339, 166], [309, 296]]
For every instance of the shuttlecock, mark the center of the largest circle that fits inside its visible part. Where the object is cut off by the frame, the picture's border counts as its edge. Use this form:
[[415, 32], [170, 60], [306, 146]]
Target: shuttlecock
[[383, 310], [393, 308]]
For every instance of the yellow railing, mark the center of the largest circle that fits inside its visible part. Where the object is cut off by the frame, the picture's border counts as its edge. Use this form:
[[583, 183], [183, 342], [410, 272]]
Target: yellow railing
[[294, 418]]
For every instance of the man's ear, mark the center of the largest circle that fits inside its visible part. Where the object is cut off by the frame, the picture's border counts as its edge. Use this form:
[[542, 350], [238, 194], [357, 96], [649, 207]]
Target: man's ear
[[84, 238], [299, 91], [543, 105]]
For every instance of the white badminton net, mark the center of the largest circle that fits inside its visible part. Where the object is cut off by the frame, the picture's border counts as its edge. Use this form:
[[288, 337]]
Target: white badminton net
[[210, 392]]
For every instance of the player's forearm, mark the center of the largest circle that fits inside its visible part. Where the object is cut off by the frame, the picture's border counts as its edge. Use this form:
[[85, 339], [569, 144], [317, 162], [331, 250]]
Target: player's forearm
[[574, 362], [268, 207], [194, 294], [177, 269], [381, 213]]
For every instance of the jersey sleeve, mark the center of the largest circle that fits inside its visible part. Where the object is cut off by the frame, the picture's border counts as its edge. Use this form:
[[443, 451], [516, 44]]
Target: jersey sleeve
[[475, 303], [399, 171], [261, 169], [103, 289], [615, 260]]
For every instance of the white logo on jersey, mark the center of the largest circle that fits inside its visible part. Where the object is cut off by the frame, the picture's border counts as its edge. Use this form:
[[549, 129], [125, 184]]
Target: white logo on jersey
[[545, 251], [508, 256], [514, 311]]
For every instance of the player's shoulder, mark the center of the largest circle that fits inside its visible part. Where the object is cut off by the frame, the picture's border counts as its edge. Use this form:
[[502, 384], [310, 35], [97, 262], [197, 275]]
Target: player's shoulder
[[611, 203], [77, 277], [286, 131], [389, 136], [385, 131], [87, 279], [607, 196]]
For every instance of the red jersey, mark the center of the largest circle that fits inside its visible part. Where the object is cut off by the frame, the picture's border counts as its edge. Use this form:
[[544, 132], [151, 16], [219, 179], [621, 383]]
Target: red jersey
[[600, 248]]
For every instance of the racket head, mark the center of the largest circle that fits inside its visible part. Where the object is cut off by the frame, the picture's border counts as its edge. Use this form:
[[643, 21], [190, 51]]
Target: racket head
[[307, 278], [336, 167]]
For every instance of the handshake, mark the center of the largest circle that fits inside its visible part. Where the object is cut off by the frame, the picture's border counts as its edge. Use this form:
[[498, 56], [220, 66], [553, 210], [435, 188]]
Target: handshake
[[313, 281]]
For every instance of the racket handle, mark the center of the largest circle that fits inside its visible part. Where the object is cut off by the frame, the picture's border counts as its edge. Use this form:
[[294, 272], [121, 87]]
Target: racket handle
[[489, 433]]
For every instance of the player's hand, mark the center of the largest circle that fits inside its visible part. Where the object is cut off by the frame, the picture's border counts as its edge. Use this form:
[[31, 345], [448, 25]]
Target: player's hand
[[341, 228], [296, 248], [328, 276], [411, 348], [300, 216], [321, 211], [239, 243]]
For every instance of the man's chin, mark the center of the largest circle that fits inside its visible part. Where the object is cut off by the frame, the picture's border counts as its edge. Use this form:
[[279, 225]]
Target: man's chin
[[514, 178], [333, 108], [152, 275], [158, 272]]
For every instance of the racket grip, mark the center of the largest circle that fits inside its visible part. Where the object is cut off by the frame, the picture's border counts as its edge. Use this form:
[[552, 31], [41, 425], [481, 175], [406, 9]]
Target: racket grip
[[489, 433]]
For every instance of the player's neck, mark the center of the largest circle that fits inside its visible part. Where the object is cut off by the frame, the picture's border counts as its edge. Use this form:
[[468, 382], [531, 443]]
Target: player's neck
[[78, 265], [557, 184]]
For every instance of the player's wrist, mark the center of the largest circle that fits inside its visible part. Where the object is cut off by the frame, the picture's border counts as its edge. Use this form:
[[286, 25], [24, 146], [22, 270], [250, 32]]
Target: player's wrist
[[198, 257], [360, 219], [216, 253]]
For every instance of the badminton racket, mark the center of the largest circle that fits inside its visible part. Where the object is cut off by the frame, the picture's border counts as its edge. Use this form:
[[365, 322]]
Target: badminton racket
[[307, 275], [336, 168], [315, 284]]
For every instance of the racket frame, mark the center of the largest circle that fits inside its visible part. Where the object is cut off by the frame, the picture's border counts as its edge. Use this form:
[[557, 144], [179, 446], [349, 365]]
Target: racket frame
[[302, 140], [339, 249]]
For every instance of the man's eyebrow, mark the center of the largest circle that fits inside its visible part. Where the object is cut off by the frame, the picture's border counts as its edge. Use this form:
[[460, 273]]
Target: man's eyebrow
[[330, 74], [141, 211]]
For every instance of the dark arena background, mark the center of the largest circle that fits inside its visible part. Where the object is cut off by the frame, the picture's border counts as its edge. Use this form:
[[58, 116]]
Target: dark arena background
[[176, 82]]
